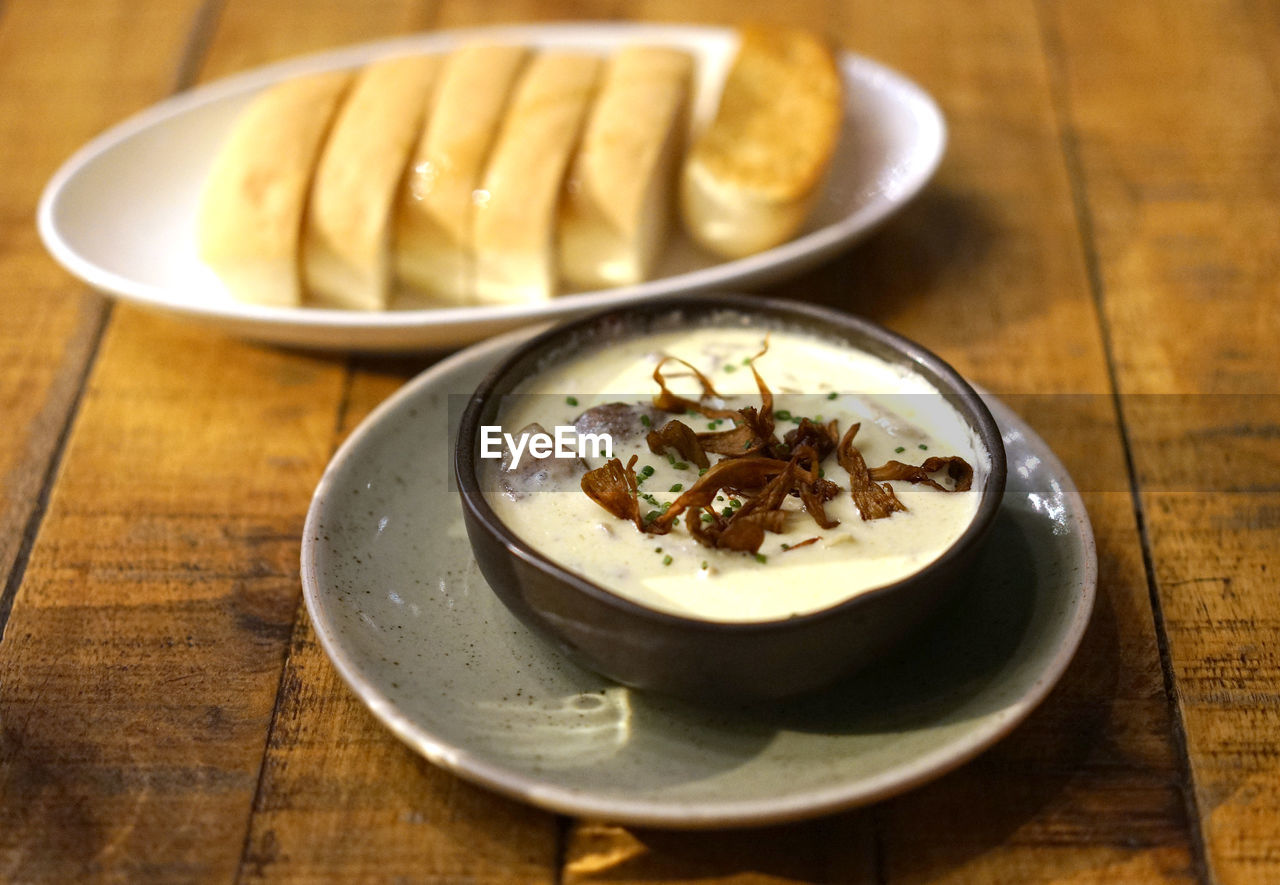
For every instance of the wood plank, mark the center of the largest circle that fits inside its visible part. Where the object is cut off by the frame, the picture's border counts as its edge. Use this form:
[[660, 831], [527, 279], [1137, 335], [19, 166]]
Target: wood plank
[[836, 849], [65, 74], [987, 266], [146, 644], [1175, 118]]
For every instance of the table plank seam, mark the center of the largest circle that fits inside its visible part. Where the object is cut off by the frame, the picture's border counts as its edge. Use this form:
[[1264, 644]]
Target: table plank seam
[[879, 853], [203, 26], [1055, 56], [185, 76], [560, 855], [35, 518], [246, 844], [1247, 12], [300, 613]]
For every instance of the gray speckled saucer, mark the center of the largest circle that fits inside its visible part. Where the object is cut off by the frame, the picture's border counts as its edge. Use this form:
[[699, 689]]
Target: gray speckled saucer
[[401, 608]]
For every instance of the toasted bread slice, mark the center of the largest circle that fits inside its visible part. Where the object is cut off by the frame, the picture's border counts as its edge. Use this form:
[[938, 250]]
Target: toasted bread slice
[[751, 177], [250, 220], [435, 207], [346, 243], [616, 209], [516, 213]]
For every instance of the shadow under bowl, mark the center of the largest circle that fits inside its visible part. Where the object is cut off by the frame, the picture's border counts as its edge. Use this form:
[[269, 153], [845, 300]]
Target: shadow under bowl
[[689, 657]]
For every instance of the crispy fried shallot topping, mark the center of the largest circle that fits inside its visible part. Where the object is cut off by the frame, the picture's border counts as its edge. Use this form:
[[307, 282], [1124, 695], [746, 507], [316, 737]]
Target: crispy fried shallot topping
[[759, 471], [957, 468], [613, 487], [746, 533], [744, 528], [814, 495], [730, 475], [675, 434], [820, 437], [667, 401], [873, 501]]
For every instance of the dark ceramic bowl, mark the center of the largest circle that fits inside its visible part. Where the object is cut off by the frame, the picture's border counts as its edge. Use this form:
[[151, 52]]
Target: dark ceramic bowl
[[686, 656]]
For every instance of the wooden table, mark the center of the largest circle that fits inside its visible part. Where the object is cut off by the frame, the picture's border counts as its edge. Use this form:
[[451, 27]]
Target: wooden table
[[1106, 222]]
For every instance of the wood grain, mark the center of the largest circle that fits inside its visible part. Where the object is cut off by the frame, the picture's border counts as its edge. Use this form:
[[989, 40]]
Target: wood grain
[[1105, 222], [71, 60], [1174, 118], [145, 646], [85, 70], [143, 653]]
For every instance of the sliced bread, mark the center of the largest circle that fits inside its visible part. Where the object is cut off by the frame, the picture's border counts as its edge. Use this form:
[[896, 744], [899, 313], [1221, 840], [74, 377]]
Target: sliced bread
[[617, 205]]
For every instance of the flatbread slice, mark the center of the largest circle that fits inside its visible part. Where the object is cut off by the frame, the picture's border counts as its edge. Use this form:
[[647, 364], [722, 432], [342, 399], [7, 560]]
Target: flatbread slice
[[516, 209], [435, 209], [347, 241], [250, 218], [616, 208]]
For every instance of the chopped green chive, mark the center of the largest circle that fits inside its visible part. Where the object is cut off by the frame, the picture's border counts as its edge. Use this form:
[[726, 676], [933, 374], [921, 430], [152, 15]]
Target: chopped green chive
[[746, 361], [746, 445], [923, 447], [702, 470], [677, 487], [783, 415], [832, 395], [704, 565], [650, 498], [707, 517], [817, 419], [786, 546], [666, 506], [760, 557], [646, 420], [571, 400], [646, 470], [679, 465], [675, 521], [821, 473], [667, 560], [900, 449], [651, 516], [735, 503], [727, 512], [719, 497], [730, 367]]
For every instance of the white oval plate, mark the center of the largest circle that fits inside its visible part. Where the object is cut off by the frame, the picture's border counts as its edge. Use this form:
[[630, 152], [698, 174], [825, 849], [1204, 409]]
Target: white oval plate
[[120, 214], [401, 608]]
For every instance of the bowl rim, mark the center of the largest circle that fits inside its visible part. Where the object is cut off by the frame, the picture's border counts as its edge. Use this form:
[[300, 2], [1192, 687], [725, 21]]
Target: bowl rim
[[843, 325]]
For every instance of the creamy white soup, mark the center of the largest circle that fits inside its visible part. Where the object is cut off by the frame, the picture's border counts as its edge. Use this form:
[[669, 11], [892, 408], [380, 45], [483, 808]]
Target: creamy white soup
[[800, 568]]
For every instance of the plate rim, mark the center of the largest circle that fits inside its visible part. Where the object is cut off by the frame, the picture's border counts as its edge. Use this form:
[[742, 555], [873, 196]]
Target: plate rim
[[808, 248], [543, 793]]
